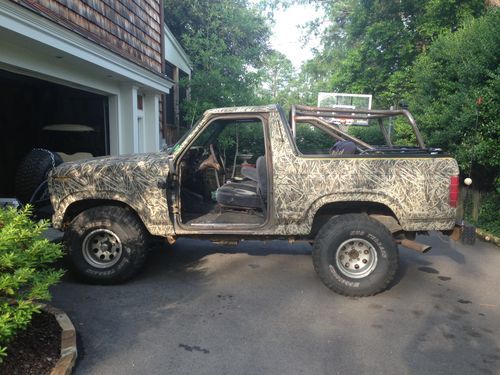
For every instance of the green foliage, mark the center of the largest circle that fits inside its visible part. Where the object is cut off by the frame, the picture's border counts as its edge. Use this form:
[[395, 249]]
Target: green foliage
[[488, 213], [456, 95], [277, 79], [241, 138], [489, 207], [312, 140], [369, 134], [226, 41], [25, 277], [369, 46], [402, 133]]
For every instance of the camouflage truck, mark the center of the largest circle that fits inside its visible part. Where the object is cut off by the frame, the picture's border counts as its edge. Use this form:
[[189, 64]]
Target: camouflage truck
[[248, 173]]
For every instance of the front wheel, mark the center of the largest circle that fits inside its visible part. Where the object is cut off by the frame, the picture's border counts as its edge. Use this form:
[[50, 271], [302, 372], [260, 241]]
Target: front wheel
[[106, 244], [355, 255]]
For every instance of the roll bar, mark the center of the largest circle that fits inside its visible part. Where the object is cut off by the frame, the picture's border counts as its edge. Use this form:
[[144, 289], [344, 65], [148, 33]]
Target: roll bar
[[319, 114]]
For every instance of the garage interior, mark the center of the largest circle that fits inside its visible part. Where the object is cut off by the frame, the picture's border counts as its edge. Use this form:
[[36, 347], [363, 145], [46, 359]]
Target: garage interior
[[28, 105]]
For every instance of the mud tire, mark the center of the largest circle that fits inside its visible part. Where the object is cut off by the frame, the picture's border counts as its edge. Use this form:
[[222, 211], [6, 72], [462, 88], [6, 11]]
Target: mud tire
[[123, 225], [341, 230]]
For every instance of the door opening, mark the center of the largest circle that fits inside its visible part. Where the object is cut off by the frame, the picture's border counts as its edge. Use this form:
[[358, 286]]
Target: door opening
[[223, 175]]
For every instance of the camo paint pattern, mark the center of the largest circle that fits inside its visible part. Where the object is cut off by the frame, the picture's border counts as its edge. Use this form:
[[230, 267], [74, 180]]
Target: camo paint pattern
[[131, 179], [415, 189]]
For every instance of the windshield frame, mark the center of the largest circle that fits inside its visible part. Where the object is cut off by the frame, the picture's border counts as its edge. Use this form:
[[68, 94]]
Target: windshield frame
[[172, 149]]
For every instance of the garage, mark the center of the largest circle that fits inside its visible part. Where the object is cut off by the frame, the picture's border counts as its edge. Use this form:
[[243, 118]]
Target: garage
[[76, 82], [36, 113]]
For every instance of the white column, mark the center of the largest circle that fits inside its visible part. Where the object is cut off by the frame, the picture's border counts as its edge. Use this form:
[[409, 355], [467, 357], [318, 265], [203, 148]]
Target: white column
[[151, 122], [114, 124], [128, 119]]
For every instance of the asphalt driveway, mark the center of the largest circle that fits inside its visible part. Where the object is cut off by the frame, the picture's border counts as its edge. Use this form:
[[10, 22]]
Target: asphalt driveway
[[259, 308]]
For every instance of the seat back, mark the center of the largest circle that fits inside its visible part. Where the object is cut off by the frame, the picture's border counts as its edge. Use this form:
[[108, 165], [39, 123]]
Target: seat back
[[343, 147], [262, 176]]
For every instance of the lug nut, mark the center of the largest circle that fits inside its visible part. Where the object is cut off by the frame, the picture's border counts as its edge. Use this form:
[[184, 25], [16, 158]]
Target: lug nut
[[365, 261], [356, 266], [347, 265], [366, 251]]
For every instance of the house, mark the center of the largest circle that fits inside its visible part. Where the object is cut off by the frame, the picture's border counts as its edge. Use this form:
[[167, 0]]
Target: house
[[178, 67], [98, 64]]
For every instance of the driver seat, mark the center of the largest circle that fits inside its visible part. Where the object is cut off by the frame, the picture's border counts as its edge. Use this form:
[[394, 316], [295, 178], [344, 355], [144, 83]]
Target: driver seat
[[241, 195]]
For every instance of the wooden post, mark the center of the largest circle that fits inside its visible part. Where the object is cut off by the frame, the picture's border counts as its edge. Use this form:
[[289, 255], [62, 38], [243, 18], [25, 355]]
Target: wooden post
[[461, 204], [476, 200], [177, 111]]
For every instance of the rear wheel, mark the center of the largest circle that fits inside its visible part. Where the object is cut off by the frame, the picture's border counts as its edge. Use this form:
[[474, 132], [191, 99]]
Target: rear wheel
[[106, 244], [355, 255]]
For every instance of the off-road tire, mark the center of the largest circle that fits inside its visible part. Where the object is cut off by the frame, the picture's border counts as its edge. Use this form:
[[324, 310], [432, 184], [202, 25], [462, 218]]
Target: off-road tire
[[117, 222], [33, 171], [335, 237]]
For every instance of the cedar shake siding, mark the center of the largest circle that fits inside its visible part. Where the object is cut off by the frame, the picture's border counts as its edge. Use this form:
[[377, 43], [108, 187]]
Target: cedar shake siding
[[130, 28]]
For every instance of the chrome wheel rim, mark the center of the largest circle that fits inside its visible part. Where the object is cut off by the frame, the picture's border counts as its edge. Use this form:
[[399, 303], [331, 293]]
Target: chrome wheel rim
[[102, 248], [356, 258]]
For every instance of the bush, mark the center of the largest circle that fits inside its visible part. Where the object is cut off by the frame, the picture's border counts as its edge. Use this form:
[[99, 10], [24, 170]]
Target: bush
[[456, 94], [488, 213], [369, 134], [489, 207], [25, 275]]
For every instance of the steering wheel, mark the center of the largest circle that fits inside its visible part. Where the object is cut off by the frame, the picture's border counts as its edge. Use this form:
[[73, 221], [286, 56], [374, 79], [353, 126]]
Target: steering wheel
[[213, 161], [214, 152]]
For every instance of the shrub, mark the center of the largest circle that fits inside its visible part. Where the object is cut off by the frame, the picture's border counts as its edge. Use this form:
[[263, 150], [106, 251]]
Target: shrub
[[488, 213], [489, 207], [25, 275], [456, 94]]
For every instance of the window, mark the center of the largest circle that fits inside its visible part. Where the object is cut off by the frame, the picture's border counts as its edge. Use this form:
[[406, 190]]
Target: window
[[311, 140]]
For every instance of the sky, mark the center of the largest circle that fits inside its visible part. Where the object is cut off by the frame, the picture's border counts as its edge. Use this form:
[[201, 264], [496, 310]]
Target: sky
[[287, 37]]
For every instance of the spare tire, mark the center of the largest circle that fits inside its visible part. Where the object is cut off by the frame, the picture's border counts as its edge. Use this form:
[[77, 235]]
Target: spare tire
[[33, 170]]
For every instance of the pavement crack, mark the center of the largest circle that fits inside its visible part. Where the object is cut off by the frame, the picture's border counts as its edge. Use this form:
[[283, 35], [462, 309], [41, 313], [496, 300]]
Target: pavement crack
[[194, 348]]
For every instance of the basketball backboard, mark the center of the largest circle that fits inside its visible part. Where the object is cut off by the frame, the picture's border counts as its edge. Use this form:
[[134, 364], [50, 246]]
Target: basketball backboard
[[344, 100]]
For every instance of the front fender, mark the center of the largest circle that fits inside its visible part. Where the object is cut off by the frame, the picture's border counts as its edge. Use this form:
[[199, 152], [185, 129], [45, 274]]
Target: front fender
[[152, 212]]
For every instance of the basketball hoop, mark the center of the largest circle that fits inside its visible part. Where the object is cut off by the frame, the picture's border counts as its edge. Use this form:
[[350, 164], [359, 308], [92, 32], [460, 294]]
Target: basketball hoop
[[345, 101]]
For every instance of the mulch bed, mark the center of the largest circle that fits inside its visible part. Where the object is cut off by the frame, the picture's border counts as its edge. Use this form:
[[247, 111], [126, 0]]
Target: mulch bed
[[36, 350]]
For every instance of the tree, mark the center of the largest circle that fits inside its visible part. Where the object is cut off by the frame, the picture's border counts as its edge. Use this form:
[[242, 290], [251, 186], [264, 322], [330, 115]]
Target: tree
[[277, 76], [226, 40], [370, 46], [456, 95]]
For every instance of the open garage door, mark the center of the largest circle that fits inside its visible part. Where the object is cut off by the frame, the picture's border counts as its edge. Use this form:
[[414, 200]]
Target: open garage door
[[40, 114]]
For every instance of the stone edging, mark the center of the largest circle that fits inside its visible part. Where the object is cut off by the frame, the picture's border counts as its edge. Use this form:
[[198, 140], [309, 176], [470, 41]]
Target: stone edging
[[69, 352], [488, 237]]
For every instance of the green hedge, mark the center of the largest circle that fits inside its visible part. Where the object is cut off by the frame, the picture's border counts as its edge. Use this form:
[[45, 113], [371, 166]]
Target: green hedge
[[25, 273], [489, 207]]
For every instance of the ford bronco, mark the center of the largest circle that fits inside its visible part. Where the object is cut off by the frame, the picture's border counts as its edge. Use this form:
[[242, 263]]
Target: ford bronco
[[248, 173]]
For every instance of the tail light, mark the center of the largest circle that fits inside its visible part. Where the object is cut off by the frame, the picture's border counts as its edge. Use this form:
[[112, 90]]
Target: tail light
[[454, 185]]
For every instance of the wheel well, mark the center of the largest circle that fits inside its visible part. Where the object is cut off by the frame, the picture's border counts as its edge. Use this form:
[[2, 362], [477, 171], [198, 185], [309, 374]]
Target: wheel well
[[339, 208], [79, 206]]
